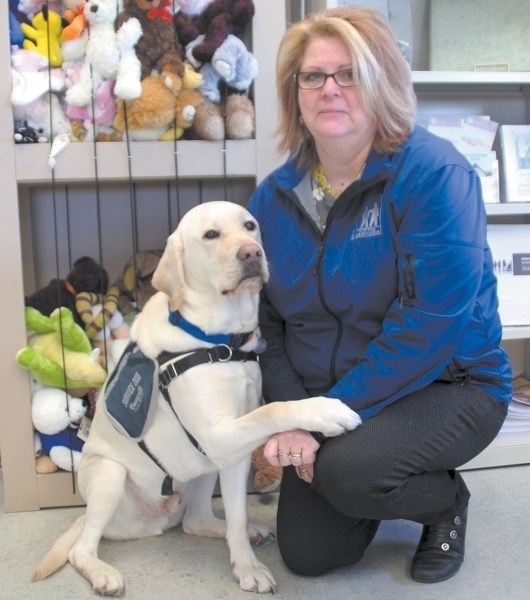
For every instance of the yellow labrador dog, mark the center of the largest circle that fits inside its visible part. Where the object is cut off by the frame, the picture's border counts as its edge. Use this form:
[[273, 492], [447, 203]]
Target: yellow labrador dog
[[194, 345]]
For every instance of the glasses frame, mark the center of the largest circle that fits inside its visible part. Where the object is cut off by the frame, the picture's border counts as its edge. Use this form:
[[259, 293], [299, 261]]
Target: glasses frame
[[326, 76]]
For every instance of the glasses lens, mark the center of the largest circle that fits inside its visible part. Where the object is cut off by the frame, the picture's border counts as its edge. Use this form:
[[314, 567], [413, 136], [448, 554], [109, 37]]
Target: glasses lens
[[310, 80], [345, 78]]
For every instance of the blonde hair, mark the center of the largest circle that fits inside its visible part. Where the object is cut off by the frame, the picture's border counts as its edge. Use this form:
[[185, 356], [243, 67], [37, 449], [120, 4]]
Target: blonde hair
[[385, 84]]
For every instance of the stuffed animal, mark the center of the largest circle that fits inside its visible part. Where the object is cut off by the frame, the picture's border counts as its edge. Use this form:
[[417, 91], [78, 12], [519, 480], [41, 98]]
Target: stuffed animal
[[135, 282], [33, 104], [32, 7], [158, 48], [266, 478], [103, 321], [59, 353], [212, 21], [234, 120], [104, 51], [56, 417], [150, 115], [86, 275], [44, 35], [231, 64]]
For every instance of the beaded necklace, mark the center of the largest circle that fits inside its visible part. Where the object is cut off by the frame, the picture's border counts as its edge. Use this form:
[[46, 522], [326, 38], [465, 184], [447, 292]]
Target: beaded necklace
[[322, 186]]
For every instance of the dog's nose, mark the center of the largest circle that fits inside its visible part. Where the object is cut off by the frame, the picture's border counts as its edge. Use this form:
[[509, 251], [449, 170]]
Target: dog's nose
[[249, 251]]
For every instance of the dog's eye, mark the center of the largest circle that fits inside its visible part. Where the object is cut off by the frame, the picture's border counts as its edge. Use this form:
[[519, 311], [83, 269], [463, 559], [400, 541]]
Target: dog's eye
[[250, 225], [211, 234]]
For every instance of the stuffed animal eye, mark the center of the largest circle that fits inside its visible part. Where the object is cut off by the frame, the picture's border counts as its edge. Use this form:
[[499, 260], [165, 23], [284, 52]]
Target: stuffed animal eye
[[211, 234], [250, 225]]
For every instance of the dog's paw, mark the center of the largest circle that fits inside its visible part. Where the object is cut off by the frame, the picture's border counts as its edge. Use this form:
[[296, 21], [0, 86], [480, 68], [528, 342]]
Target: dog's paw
[[107, 581], [255, 577], [259, 534], [330, 416]]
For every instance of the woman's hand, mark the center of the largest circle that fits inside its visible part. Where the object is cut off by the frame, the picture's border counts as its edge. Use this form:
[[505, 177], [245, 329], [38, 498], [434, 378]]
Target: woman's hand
[[297, 448]]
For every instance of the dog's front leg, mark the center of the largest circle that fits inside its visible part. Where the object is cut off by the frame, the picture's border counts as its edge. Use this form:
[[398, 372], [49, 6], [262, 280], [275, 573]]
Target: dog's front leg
[[253, 576]]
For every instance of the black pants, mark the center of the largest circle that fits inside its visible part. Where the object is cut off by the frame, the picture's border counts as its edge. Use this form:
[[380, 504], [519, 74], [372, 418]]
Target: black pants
[[399, 464]]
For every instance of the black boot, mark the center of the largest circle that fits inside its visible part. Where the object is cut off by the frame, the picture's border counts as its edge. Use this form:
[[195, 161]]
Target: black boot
[[440, 552]]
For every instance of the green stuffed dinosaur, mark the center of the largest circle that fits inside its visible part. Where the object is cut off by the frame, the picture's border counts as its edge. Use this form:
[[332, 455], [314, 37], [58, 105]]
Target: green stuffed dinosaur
[[59, 353]]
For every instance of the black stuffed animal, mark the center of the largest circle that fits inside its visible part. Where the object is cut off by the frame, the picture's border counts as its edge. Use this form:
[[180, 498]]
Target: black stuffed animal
[[86, 276]]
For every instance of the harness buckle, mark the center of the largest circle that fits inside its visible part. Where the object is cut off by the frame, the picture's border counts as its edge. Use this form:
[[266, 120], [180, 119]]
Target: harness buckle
[[220, 357]]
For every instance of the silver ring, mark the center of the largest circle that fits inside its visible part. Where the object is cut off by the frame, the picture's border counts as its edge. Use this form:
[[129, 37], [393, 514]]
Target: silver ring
[[282, 455]]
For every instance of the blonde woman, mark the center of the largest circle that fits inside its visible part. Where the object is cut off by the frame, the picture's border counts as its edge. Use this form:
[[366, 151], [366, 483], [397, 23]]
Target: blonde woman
[[381, 294]]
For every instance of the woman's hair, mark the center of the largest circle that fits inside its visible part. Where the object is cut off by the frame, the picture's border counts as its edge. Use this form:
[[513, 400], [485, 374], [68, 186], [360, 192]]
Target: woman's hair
[[385, 84]]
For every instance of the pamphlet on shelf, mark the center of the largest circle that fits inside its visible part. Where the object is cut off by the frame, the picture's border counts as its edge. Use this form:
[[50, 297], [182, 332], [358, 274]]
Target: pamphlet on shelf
[[473, 135], [515, 170], [486, 165], [510, 248]]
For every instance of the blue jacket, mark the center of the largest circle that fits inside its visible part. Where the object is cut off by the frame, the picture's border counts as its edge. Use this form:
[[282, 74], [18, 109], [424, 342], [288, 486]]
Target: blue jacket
[[398, 292]]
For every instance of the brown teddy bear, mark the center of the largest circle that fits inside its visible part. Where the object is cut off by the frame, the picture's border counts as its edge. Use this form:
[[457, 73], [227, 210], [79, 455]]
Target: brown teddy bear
[[158, 48], [235, 119], [212, 19]]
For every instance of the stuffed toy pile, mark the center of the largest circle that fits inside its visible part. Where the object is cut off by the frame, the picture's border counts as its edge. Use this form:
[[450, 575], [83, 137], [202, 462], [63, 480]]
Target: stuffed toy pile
[[107, 69]]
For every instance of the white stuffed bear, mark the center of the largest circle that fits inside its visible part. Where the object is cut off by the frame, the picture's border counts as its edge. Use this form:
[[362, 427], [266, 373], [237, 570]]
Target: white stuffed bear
[[109, 55], [56, 417]]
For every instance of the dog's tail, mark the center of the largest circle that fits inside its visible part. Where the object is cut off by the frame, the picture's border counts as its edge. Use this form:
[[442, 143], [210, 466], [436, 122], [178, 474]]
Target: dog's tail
[[57, 556]]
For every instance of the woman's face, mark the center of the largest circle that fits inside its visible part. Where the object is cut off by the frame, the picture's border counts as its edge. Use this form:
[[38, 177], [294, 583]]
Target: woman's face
[[333, 112]]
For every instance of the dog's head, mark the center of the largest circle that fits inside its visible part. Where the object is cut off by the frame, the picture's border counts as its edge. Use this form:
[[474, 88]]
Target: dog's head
[[216, 249]]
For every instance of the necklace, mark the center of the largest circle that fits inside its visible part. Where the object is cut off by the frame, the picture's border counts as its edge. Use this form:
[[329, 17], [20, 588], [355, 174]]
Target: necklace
[[323, 186]]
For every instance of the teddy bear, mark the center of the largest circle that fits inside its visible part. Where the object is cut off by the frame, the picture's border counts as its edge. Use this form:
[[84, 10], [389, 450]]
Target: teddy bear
[[158, 48], [213, 21], [265, 477], [160, 113], [86, 275], [56, 416], [59, 353], [150, 115], [109, 54], [235, 119]]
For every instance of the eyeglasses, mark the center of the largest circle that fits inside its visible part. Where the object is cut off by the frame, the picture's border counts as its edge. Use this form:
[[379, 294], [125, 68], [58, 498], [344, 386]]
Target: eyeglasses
[[314, 80]]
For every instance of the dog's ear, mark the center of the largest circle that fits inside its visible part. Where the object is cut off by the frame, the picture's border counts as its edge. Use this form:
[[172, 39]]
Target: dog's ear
[[169, 274]]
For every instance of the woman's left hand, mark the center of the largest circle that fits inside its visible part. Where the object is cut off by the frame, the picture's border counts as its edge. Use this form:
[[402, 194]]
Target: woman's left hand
[[297, 448]]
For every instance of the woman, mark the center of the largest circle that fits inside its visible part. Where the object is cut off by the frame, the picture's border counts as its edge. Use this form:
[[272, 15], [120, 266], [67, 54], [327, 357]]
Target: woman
[[381, 294]]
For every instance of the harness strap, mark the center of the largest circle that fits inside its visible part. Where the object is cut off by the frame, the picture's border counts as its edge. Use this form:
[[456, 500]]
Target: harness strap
[[167, 484], [173, 365]]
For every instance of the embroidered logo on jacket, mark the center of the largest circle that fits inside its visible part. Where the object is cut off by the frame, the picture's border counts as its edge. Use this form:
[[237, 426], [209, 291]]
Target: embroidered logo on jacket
[[370, 221]]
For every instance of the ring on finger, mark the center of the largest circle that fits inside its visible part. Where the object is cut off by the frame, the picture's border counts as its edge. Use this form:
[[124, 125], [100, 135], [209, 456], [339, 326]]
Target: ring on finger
[[283, 455], [291, 455], [300, 471]]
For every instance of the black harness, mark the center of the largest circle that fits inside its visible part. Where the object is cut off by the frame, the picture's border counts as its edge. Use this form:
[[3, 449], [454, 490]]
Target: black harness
[[171, 365]]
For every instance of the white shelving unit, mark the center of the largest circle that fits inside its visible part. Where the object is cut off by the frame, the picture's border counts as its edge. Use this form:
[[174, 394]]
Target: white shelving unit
[[505, 97], [24, 172]]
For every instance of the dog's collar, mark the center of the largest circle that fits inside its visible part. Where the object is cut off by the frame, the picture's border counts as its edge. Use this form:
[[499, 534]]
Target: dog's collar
[[234, 340]]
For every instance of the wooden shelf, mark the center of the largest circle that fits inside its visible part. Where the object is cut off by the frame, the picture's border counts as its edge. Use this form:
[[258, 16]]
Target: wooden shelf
[[147, 160]]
